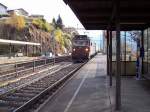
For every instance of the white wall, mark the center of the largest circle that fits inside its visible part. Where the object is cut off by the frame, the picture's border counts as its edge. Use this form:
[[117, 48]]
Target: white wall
[[20, 13], [3, 10]]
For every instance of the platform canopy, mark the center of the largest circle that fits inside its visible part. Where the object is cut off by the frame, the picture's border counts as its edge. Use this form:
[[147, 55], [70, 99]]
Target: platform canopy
[[13, 42], [99, 14]]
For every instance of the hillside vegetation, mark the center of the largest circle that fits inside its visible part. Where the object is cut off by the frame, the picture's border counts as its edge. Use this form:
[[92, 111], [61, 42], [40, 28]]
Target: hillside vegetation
[[36, 30]]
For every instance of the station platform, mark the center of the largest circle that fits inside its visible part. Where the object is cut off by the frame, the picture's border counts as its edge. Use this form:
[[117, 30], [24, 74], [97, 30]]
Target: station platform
[[89, 91], [8, 60], [86, 92]]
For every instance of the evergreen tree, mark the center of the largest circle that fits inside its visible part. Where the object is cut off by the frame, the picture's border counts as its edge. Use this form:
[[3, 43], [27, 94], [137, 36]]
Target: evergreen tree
[[59, 22], [54, 22]]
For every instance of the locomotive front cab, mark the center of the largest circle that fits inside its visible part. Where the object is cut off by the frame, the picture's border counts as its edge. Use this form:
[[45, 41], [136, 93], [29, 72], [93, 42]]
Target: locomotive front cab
[[80, 48], [81, 52]]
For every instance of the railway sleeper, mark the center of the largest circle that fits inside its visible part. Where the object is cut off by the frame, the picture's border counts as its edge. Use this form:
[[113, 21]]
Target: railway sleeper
[[38, 86], [24, 98], [35, 88], [46, 83], [5, 78], [26, 91], [23, 94], [48, 80], [11, 103], [7, 109], [40, 83], [15, 98], [54, 77]]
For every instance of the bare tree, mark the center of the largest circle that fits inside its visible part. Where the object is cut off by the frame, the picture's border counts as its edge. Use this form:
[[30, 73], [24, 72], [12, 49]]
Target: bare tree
[[134, 35]]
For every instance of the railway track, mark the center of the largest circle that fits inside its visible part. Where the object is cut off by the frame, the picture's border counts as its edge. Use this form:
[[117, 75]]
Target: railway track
[[27, 98], [28, 78], [27, 69]]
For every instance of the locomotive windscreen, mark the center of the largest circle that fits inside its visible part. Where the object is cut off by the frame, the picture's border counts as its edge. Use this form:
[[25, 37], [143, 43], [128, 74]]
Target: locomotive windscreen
[[81, 40], [80, 43]]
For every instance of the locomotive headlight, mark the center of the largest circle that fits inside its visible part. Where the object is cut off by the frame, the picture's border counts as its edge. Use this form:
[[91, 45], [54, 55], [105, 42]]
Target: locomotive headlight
[[86, 49], [74, 49]]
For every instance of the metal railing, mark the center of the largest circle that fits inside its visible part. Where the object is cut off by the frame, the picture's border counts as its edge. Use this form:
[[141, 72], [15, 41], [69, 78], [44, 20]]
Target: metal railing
[[16, 68]]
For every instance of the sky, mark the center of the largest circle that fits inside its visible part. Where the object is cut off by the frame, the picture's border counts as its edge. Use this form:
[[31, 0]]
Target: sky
[[51, 9]]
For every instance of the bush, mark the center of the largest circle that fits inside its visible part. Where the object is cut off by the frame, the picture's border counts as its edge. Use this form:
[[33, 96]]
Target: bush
[[42, 24], [36, 54], [16, 21], [59, 36]]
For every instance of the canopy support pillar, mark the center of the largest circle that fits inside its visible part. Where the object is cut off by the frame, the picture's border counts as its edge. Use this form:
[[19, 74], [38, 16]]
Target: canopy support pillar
[[118, 74], [108, 70], [142, 50], [125, 49], [110, 57]]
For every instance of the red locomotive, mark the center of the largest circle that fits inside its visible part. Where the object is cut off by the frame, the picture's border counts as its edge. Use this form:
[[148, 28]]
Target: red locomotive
[[81, 48]]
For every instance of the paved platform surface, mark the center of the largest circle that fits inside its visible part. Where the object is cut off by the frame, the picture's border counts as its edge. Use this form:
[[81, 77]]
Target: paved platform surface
[[135, 95], [7, 60], [89, 91]]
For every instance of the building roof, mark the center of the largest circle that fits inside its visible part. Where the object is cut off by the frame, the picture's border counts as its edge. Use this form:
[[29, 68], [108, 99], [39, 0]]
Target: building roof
[[19, 9], [3, 5], [98, 14], [36, 15]]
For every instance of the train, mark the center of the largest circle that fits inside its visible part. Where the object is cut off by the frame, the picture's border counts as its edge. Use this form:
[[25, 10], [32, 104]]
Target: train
[[82, 48]]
